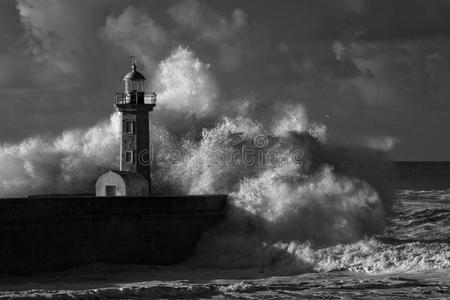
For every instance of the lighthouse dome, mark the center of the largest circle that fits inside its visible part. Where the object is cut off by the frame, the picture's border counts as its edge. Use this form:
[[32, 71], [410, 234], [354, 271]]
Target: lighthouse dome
[[134, 75]]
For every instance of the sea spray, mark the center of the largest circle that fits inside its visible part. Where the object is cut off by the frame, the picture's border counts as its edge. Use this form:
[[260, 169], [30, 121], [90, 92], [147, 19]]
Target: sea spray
[[68, 163], [283, 185], [286, 183], [366, 256], [287, 187]]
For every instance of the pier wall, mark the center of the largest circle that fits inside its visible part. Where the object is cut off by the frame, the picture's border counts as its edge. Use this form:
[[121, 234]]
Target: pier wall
[[50, 233]]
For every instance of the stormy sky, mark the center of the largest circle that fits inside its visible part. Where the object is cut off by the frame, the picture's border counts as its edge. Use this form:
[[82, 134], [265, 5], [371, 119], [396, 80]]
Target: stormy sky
[[373, 72]]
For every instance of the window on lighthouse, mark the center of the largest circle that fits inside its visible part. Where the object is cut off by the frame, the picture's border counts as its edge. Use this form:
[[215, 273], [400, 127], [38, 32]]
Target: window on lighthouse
[[129, 126], [134, 86], [129, 156]]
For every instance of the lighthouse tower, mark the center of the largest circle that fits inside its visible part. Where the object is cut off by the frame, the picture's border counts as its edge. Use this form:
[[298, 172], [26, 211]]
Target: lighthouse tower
[[133, 178], [134, 105]]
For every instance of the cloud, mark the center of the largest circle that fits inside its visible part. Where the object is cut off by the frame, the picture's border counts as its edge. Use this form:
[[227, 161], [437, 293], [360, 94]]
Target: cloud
[[51, 34], [211, 28], [397, 72], [360, 63], [137, 34], [418, 19]]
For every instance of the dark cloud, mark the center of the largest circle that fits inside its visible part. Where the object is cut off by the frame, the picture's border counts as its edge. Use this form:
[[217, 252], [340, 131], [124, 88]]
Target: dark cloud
[[374, 71], [406, 19]]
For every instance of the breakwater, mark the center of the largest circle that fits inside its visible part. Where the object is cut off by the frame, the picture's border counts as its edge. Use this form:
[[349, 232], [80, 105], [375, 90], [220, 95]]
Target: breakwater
[[44, 233]]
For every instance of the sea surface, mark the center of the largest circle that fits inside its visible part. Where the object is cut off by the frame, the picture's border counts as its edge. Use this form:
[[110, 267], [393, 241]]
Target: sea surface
[[410, 260]]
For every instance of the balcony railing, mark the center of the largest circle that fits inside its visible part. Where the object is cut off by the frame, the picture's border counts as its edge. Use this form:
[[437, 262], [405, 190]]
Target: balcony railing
[[135, 98]]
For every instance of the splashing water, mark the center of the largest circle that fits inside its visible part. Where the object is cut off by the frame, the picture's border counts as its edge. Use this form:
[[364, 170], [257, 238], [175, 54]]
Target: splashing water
[[185, 85], [280, 188], [298, 203], [68, 163]]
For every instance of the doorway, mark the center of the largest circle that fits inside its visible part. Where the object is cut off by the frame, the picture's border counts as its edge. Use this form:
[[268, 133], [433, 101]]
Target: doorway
[[110, 190]]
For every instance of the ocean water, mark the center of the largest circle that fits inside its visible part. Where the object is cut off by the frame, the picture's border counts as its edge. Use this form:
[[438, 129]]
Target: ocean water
[[409, 260]]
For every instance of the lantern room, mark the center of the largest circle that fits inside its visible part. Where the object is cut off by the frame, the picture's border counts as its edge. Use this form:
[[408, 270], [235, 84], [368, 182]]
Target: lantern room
[[134, 81]]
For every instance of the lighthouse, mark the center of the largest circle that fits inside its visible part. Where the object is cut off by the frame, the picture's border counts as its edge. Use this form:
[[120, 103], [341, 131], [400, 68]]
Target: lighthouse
[[134, 104]]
